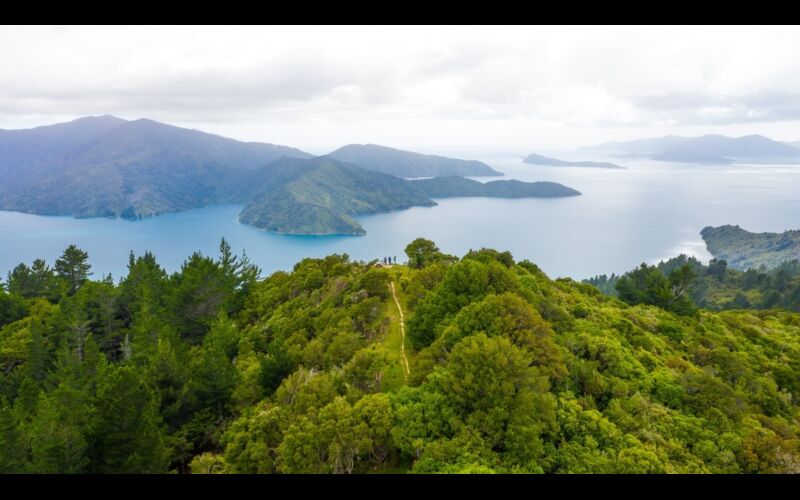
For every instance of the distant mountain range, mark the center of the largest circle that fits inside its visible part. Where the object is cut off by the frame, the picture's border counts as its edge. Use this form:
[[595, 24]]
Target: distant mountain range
[[717, 149], [407, 164], [744, 250], [106, 166], [535, 159]]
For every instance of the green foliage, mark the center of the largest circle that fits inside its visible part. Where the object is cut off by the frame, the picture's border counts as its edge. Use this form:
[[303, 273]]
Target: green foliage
[[12, 308], [464, 282], [125, 434], [73, 268], [35, 281], [648, 285], [422, 252], [212, 370], [719, 287], [322, 195]]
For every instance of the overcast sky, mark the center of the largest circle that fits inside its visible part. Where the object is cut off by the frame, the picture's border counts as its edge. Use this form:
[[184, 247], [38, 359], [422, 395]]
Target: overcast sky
[[515, 89]]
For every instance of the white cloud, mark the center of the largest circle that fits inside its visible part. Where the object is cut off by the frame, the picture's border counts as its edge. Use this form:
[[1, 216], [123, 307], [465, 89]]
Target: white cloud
[[318, 87]]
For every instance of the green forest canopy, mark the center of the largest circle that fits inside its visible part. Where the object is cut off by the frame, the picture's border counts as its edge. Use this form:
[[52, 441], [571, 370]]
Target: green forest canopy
[[212, 369]]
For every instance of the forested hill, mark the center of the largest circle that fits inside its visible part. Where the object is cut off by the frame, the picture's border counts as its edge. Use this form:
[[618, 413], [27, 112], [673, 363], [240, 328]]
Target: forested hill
[[215, 370], [743, 249], [322, 196]]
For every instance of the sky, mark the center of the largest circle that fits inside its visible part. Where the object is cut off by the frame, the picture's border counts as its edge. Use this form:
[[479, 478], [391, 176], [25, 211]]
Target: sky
[[431, 89]]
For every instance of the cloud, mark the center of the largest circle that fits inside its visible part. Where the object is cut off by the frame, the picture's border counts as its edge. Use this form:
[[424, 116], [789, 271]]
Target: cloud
[[354, 77]]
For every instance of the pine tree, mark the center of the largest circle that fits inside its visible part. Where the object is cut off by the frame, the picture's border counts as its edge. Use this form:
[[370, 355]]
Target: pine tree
[[73, 268], [126, 434]]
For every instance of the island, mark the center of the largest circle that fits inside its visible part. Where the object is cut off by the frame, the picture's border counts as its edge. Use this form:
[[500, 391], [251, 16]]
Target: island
[[453, 186], [535, 159]]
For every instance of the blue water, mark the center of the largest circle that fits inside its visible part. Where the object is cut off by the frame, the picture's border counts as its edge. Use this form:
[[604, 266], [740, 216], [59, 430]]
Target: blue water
[[650, 211]]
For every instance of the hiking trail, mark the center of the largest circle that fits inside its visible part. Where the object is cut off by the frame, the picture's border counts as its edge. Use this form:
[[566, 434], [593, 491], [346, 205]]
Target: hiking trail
[[403, 357]]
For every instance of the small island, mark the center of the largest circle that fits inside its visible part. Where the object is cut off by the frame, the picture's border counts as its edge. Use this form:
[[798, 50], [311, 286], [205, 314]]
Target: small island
[[535, 159], [454, 186]]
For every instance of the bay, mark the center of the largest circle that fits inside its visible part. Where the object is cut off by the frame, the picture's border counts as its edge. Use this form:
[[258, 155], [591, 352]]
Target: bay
[[648, 212]]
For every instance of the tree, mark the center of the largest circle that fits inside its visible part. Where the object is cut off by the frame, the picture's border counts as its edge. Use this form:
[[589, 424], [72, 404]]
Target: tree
[[648, 285], [465, 282], [58, 444], [145, 283], [490, 382], [240, 275], [20, 281], [680, 281], [198, 293], [251, 440], [12, 308], [375, 411], [718, 268], [331, 444], [376, 283], [422, 252], [73, 268], [365, 369], [126, 430], [276, 366], [207, 463], [13, 451]]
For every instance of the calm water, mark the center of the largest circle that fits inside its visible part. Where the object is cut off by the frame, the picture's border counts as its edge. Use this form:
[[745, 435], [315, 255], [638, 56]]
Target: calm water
[[649, 212]]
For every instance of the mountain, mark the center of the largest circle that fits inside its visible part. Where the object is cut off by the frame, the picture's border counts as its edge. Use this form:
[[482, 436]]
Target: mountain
[[706, 149], [325, 196], [535, 159], [452, 186], [106, 166], [711, 148], [407, 164], [744, 250]]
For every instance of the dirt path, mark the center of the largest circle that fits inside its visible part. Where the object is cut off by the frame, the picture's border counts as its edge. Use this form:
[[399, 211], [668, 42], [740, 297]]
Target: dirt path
[[406, 370]]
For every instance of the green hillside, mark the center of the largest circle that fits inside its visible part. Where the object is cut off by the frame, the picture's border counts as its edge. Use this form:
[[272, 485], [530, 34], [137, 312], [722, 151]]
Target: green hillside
[[744, 250], [213, 370], [326, 196]]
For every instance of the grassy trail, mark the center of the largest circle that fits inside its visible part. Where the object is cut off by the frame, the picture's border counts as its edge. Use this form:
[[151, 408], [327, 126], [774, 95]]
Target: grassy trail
[[404, 359]]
